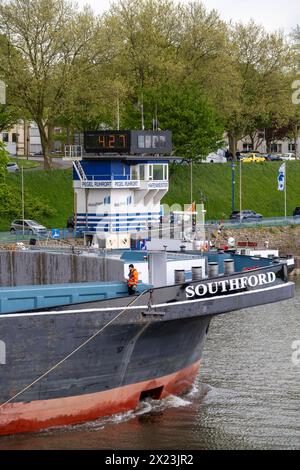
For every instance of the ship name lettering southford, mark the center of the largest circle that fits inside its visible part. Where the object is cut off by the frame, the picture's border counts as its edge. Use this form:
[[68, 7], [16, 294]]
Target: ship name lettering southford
[[230, 285]]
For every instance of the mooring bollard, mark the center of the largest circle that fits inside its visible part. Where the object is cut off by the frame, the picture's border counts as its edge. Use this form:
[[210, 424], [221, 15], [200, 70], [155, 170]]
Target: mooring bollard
[[179, 276], [197, 273], [228, 267], [213, 269]]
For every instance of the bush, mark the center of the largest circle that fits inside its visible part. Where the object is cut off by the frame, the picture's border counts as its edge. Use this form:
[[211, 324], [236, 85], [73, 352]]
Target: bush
[[11, 205], [9, 202], [35, 208], [3, 162]]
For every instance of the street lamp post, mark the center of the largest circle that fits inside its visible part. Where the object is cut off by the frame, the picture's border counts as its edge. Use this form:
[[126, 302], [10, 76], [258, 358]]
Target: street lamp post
[[233, 187], [191, 182], [23, 205], [241, 200]]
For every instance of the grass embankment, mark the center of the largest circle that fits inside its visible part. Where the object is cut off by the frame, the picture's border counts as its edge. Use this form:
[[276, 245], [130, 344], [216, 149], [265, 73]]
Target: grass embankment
[[54, 188], [213, 181], [259, 188], [26, 164]]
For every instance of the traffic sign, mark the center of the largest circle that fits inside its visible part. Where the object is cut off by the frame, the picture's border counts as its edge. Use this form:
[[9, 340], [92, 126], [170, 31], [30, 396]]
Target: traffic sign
[[55, 233]]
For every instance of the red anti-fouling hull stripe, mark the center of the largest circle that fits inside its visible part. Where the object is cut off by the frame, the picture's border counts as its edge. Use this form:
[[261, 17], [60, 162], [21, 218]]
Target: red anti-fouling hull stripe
[[33, 416]]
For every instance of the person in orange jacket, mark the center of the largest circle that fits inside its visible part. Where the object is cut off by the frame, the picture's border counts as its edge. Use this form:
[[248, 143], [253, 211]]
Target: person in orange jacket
[[133, 280]]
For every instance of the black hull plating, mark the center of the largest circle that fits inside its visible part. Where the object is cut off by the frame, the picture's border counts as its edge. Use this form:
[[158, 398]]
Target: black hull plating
[[140, 345]]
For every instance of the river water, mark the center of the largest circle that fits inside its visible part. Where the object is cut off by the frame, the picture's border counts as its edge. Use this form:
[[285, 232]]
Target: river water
[[247, 395]]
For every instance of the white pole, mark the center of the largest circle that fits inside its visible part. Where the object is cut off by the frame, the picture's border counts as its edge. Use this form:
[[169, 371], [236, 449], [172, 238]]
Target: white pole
[[23, 205], [285, 191]]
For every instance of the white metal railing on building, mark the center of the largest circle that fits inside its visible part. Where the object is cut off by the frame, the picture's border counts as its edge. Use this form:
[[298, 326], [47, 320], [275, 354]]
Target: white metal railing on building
[[73, 152]]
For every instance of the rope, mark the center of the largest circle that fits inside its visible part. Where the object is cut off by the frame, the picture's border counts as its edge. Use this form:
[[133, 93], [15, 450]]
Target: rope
[[73, 352]]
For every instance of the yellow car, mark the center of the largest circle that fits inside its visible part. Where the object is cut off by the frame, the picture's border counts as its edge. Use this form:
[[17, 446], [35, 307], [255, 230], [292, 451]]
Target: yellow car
[[253, 159]]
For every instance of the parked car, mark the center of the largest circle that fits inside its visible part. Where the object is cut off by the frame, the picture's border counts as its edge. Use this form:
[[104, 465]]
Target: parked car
[[12, 167], [253, 159], [287, 156], [246, 216], [36, 154], [273, 158], [180, 161], [250, 153], [296, 212], [216, 157], [30, 227]]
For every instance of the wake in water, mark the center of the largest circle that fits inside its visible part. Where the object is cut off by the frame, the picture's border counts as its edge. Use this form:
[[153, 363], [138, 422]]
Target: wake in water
[[147, 406]]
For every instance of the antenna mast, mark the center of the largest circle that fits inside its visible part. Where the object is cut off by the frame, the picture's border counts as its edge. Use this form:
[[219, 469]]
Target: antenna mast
[[118, 114], [142, 112]]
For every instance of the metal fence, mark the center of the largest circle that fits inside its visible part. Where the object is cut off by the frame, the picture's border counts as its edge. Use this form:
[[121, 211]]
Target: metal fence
[[266, 222], [18, 236]]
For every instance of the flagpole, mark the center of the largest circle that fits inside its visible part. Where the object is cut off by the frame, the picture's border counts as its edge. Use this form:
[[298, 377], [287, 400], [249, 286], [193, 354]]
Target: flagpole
[[282, 185], [285, 192]]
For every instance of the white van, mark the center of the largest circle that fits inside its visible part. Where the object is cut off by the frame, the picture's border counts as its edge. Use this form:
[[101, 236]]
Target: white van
[[216, 157]]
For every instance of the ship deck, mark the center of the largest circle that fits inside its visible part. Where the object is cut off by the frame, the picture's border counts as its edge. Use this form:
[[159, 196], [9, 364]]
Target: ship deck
[[22, 298]]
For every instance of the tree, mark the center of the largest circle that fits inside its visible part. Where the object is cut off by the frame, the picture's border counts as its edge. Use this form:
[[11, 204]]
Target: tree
[[3, 162], [263, 98], [9, 116], [143, 40], [45, 47], [205, 52], [197, 128]]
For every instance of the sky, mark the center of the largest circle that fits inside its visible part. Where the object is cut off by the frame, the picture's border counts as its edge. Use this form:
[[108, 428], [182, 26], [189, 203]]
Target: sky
[[273, 14]]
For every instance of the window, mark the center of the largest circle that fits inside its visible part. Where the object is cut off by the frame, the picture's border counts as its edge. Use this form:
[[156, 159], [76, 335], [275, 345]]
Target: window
[[166, 172], [247, 147], [148, 143], [141, 141], [134, 172], [150, 172], [142, 172], [276, 148], [151, 141], [155, 141], [162, 141], [5, 136], [14, 137], [292, 147], [158, 172]]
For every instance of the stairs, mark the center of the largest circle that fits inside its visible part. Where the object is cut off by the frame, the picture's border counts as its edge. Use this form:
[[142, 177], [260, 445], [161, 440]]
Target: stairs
[[79, 170]]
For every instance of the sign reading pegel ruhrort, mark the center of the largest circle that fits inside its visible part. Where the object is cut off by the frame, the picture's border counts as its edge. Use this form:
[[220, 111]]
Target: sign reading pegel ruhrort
[[229, 285]]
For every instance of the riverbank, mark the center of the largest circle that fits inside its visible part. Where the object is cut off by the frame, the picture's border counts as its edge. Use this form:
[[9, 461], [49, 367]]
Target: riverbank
[[211, 184], [285, 239]]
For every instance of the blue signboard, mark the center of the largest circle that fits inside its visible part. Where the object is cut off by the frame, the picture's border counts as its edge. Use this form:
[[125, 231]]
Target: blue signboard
[[55, 233]]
